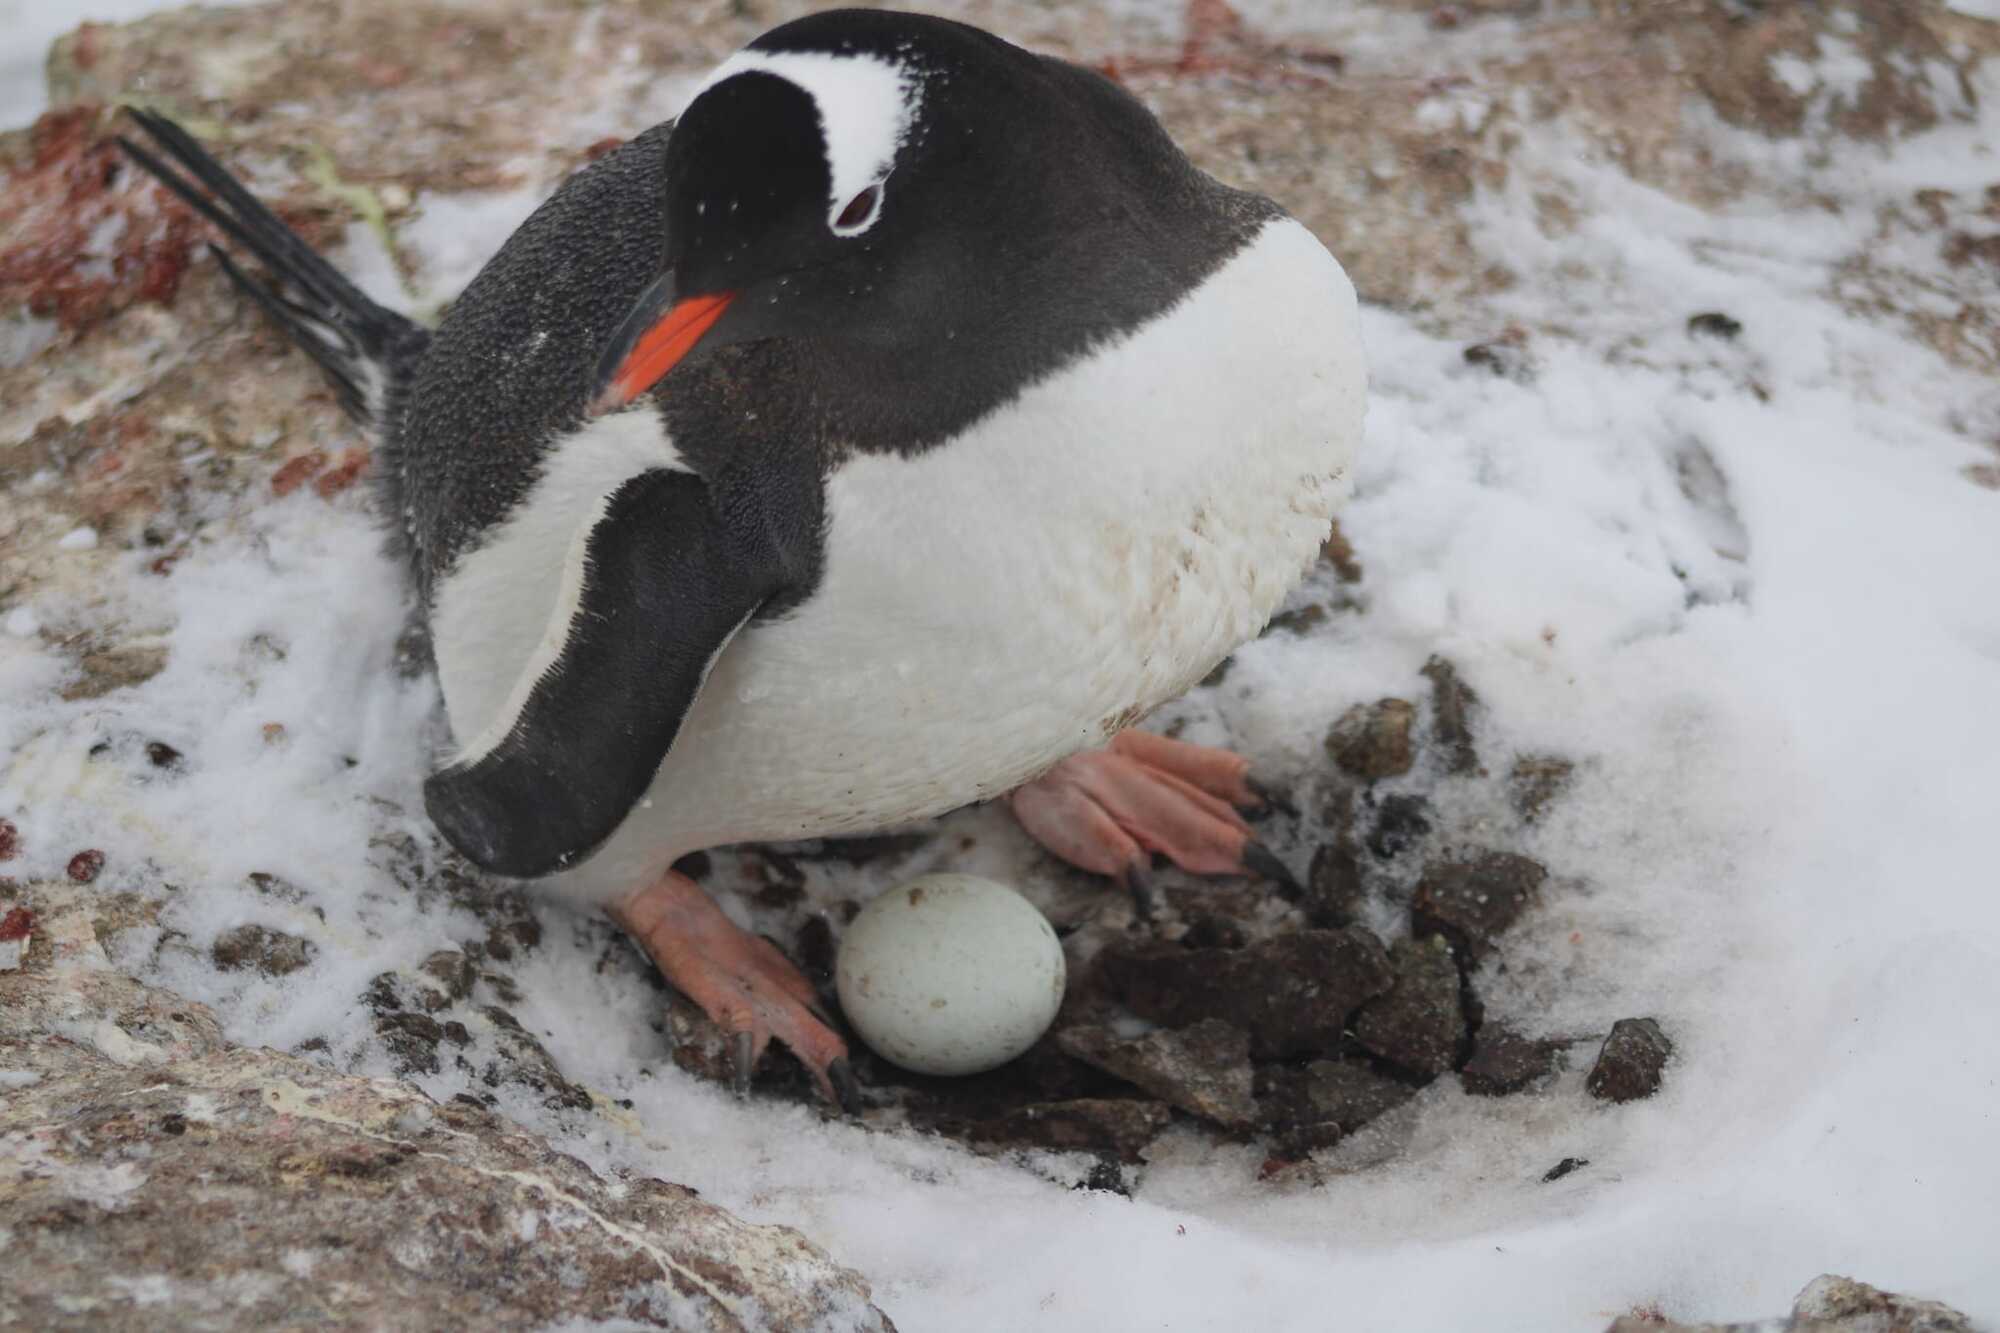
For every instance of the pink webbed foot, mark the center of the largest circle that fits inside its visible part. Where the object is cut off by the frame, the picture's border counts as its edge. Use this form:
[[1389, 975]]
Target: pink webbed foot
[[740, 981], [1109, 810]]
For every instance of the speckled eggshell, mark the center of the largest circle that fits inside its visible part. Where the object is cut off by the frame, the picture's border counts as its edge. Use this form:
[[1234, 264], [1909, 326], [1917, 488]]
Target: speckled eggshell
[[950, 974]]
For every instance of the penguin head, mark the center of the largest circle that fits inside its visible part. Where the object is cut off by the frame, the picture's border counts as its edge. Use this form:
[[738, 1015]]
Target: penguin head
[[858, 176]]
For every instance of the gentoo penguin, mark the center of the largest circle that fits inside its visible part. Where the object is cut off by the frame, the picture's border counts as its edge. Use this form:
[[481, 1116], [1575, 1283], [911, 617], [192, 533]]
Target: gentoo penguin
[[890, 432]]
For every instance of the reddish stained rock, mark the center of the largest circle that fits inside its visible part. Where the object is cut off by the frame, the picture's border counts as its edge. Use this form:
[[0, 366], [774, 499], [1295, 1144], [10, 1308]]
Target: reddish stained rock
[[73, 197], [16, 925], [353, 462], [297, 471], [10, 840], [85, 865]]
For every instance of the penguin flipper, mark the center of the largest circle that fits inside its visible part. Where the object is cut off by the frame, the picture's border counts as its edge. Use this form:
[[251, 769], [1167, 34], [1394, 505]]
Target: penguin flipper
[[666, 583]]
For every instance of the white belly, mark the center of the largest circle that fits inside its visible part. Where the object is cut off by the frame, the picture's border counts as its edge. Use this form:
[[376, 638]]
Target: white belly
[[1076, 559], [1080, 557]]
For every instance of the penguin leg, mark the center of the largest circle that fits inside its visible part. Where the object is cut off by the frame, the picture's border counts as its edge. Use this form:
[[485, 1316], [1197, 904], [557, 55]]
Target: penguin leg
[[1109, 810], [740, 980]]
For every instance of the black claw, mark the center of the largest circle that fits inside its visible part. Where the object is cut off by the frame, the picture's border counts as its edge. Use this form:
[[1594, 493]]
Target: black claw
[[1259, 861], [739, 1065], [846, 1087], [1145, 898]]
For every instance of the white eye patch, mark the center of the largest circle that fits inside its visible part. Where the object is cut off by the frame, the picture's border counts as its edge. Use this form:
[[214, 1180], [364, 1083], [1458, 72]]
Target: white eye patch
[[866, 105]]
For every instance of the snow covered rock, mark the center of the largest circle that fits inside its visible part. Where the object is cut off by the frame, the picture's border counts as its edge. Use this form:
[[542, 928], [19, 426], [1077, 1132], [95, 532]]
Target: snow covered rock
[[152, 1174]]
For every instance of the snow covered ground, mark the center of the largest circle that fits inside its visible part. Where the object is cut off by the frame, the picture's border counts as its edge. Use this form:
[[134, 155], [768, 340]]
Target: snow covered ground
[[1750, 585]]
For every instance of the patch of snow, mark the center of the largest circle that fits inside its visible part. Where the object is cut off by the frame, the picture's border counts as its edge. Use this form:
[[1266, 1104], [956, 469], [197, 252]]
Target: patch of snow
[[78, 539]]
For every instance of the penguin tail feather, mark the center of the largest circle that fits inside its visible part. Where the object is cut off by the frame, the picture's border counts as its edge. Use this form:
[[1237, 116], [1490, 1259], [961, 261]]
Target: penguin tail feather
[[368, 353]]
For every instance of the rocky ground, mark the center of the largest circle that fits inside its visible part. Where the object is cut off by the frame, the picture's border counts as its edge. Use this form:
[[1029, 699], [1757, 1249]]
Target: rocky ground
[[144, 414]]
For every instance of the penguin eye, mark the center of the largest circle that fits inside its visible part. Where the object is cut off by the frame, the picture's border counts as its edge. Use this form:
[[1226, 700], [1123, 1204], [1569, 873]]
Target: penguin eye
[[860, 211]]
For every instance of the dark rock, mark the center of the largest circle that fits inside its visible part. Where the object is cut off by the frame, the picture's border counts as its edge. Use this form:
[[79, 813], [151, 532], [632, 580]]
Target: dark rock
[[1563, 1168], [1107, 1175], [10, 840], [457, 1035], [1535, 781], [1372, 741], [86, 865], [162, 755], [1091, 1124], [412, 1040], [1333, 885], [275, 886], [1714, 324], [1629, 1065], [1315, 1105], [1472, 901], [1418, 1025], [1293, 993], [1400, 821], [1452, 702], [1203, 1069], [1504, 1062], [271, 952]]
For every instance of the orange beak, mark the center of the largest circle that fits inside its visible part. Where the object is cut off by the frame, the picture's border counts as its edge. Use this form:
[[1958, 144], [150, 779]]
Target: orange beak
[[659, 346]]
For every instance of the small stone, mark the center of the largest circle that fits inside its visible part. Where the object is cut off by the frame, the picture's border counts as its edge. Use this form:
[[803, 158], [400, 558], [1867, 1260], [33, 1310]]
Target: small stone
[[1452, 702], [162, 755], [1418, 1025], [1472, 901], [501, 941], [1504, 1062], [452, 971], [522, 1060], [1630, 1063], [1203, 1069], [1372, 741], [1342, 1094], [1292, 993], [1400, 821], [1339, 552], [1563, 1168], [1505, 359], [1536, 780], [10, 840], [271, 952], [1714, 324], [115, 669], [1090, 1124], [1333, 885], [1298, 620], [86, 865]]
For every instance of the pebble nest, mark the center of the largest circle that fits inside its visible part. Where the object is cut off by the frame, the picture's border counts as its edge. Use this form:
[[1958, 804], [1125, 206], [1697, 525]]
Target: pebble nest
[[1255, 1010]]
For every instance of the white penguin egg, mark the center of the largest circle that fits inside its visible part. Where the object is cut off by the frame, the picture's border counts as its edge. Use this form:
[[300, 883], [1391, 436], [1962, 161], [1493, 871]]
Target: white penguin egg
[[950, 974]]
